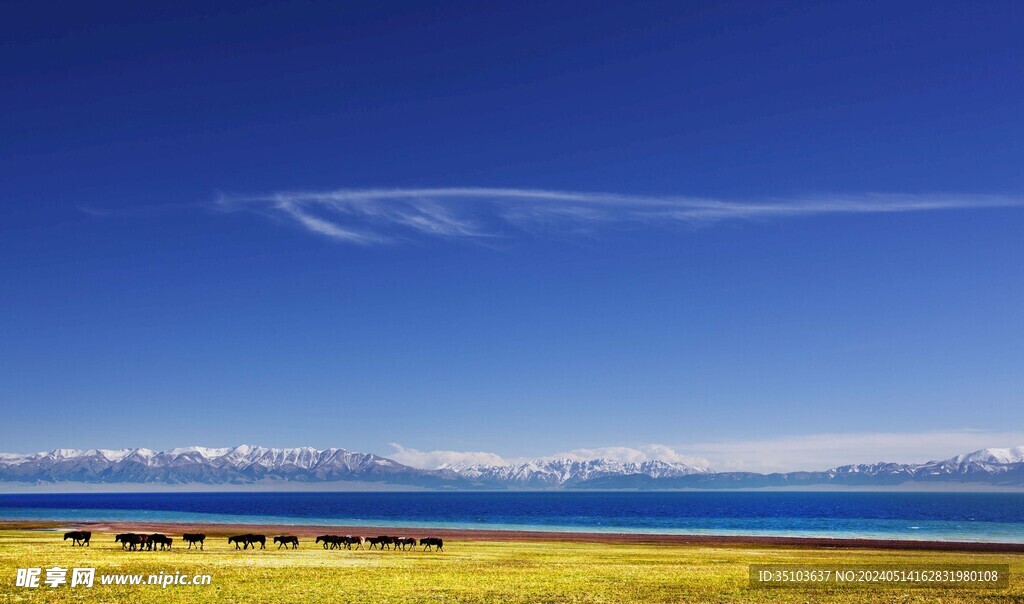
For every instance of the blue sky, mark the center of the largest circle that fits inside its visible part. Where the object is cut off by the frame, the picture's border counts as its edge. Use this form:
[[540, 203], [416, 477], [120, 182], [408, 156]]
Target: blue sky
[[515, 228]]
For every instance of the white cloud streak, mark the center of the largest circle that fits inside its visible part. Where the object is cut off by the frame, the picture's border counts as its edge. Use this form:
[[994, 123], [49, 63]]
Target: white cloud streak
[[431, 460], [781, 454], [375, 216]]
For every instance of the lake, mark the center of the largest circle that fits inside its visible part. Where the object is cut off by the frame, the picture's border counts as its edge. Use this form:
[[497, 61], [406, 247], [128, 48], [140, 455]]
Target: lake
[[995, 517]]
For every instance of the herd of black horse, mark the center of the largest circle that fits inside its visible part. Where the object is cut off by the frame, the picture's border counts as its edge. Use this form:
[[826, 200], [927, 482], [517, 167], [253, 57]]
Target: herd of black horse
[[140, 542], [382, 542], [340, 542], [153, 541]]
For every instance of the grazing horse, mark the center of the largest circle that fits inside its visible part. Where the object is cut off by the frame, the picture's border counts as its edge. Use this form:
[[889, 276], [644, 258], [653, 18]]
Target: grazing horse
[[429, 542], [129, 541], [287, 540], [403, 542], [193, 538], [78, 537], [160, 539]]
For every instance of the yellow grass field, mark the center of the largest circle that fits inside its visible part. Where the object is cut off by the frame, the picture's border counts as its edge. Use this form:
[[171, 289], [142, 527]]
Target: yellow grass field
[[470, 571]]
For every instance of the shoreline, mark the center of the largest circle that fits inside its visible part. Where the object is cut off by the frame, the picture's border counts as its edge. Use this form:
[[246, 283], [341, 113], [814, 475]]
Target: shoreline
[[312, 530]]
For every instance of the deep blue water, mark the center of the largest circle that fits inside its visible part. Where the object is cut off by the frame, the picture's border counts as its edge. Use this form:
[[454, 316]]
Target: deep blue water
[[947, 516]]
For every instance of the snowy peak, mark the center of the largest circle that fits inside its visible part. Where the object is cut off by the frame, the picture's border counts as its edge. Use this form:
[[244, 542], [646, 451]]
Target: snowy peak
[[978, 464], [1011, 455], [203, 452]]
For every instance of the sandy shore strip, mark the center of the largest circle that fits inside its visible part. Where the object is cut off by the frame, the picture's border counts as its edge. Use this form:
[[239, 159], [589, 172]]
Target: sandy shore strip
[[311, 531]]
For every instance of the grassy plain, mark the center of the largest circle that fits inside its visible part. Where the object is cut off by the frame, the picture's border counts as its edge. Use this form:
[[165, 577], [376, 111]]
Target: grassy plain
[[470, 571]]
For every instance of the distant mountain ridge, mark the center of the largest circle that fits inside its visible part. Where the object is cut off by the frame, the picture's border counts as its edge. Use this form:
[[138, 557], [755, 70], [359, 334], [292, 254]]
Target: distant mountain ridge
[[243, 464], [567, 472], [247, 465]]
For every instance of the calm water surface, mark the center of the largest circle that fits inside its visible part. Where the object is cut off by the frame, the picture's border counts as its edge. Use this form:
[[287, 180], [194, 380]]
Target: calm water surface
[[943, 516]]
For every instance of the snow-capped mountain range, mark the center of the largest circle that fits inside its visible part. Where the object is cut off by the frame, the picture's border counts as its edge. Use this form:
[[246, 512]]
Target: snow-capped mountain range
[[251, 465], [567, 472], [237, 465]]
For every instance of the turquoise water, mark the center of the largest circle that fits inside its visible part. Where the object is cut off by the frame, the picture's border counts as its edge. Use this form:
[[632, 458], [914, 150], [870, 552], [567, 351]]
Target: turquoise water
[[992, 517]]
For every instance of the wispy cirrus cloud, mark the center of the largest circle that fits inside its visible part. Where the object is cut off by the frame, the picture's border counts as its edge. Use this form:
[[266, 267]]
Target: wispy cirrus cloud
[[375, 216]]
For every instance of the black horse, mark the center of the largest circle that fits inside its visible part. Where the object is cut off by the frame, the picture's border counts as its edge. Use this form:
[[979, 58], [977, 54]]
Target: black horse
[[129, 541], [404, 542], [248, 539], [383, 541], [78, 537], [350, 540], [330, 541], [287, 540], [429, 542], [194, 538], [159, 539]]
